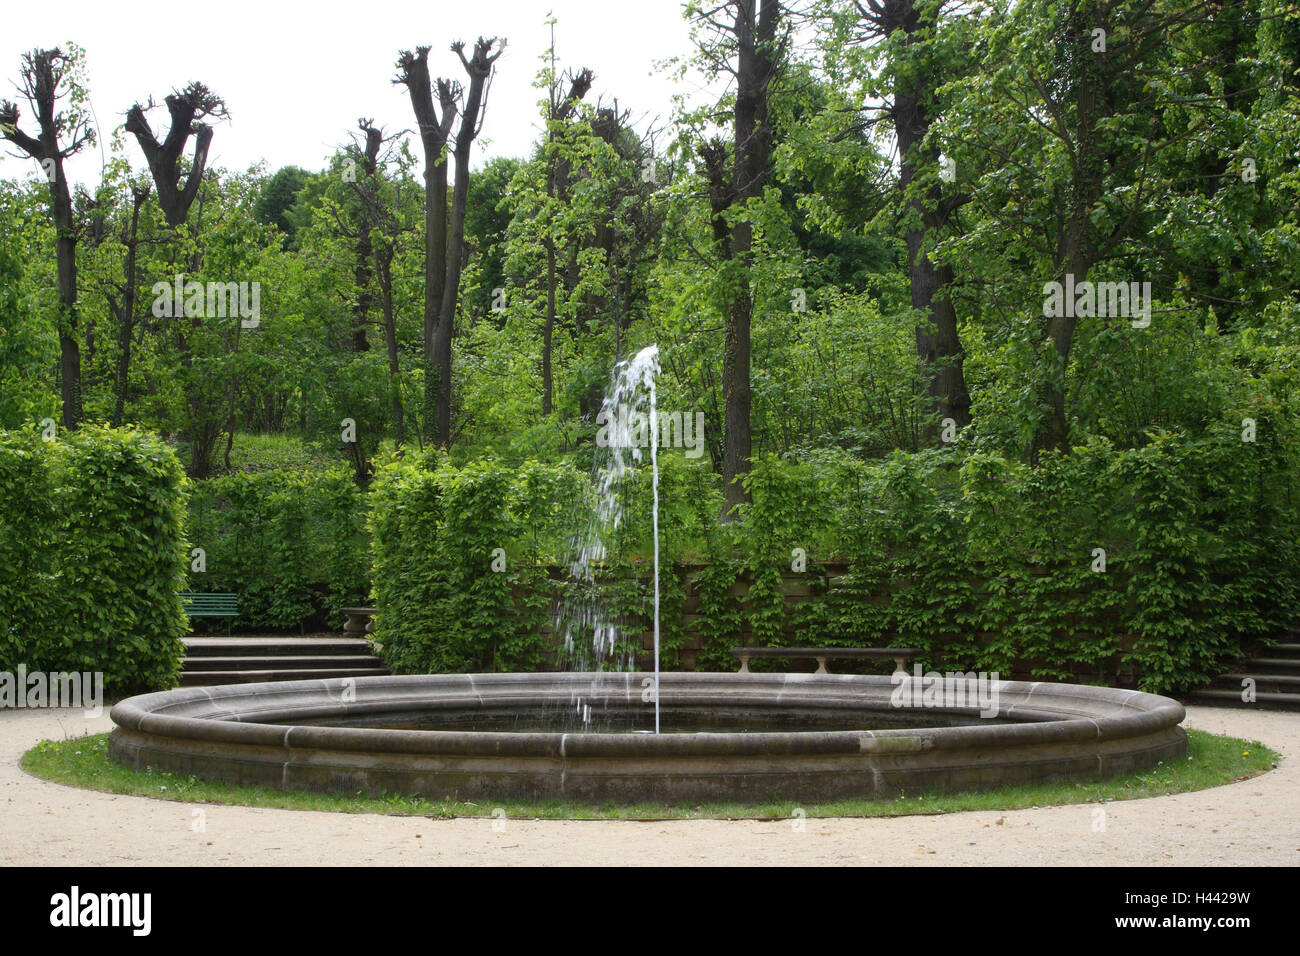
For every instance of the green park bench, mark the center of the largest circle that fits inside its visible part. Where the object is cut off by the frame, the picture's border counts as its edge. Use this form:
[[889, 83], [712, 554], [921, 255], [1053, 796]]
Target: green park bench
[[211, 605]]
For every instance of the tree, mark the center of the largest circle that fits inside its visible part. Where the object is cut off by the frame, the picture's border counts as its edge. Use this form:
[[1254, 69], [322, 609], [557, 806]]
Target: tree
[[383, 223], [919, 62], [187, 108], [1081, 116], [125, 310], [48, 76], [558, 112], [736, 177], [275, 206], [445, 229]]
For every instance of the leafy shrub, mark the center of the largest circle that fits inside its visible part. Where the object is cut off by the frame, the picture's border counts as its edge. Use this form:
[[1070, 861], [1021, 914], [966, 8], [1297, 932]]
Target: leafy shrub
[[28, 526], [981, 561], [459, 584], [100, 515], [991, 564]]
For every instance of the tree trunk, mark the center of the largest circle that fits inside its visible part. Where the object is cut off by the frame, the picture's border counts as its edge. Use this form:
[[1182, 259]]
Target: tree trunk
[[390, 343], [69, 349], [1077, 245], [126, 313], [937, 343], [548, 328], [434, 130], [755, 33], [435, 256]]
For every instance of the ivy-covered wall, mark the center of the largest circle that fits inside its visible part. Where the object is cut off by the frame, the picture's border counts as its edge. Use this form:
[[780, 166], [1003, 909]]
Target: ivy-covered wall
[[92, 556]]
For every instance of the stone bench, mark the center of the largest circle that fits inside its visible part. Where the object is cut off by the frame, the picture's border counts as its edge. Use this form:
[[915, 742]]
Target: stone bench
[[900, 655]]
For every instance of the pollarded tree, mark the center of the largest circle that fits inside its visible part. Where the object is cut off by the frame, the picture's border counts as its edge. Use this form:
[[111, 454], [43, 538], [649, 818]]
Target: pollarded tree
[[187, 108], [47, 76], [444, 227]]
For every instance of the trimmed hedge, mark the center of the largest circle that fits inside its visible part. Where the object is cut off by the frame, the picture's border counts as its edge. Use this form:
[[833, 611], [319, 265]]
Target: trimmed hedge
[[983, 562], [292, 545], [93, 555], [441, 605]]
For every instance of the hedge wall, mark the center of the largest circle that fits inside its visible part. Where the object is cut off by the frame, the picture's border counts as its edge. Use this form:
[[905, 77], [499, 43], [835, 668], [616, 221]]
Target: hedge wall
[[459, 582], [1149, 566], [92, 552]]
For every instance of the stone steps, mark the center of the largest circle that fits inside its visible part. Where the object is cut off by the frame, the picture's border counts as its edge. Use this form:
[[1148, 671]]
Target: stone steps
[[212, 678], [301, 662], [1274, 683], [1232, 698], [1276, 673], [241, 660], [273, 646]]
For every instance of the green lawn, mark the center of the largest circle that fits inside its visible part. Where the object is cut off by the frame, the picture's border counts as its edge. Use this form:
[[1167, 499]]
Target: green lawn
[[1211, 761]]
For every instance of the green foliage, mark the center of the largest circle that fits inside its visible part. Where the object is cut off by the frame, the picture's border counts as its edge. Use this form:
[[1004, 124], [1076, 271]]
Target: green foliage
[[291, 544], [458, 580], [255, 453], [28, 524], [987, 563], [721, 620], [980, 551], [94, 557], [27, 346], [276, 200]]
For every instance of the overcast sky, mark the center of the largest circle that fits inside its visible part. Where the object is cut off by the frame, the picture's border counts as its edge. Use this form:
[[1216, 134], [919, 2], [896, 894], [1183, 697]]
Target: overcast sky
[[297, 76]]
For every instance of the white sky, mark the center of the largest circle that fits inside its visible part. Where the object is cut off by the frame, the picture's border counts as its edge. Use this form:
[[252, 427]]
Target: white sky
[[297, 76]]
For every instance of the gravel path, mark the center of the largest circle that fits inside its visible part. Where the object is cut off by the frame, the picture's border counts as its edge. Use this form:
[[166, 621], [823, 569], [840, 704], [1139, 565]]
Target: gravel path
[[1253, 823]]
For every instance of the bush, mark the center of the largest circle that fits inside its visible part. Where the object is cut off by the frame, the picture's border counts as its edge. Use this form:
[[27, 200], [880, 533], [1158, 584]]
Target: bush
[[1151, 565], [92, 530], [28, 522], [459, 581]]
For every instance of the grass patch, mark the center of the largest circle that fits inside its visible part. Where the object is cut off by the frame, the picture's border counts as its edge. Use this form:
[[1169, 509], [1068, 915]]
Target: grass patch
[[252, 452], [1212, 761]]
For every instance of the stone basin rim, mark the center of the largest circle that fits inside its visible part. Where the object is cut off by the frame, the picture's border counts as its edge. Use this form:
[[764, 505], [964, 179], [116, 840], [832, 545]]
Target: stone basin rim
[[229, 714]]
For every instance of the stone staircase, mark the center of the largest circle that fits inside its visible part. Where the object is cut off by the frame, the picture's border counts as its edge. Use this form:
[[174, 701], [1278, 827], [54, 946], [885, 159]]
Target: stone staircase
[[1275, 671], [236, 660]]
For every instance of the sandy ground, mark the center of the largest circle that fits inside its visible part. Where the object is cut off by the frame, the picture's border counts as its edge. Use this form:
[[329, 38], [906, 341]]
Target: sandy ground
[[1252, 823]]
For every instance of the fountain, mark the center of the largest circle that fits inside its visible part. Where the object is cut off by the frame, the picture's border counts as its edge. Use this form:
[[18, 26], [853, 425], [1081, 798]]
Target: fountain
[[743, 737], [590, 633]]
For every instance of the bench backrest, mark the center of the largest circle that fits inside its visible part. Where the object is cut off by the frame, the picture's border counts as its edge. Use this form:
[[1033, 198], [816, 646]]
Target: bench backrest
[[197, 605]]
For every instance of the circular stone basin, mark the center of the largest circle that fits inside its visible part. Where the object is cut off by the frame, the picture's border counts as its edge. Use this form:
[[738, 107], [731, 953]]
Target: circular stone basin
[[799, 737]]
